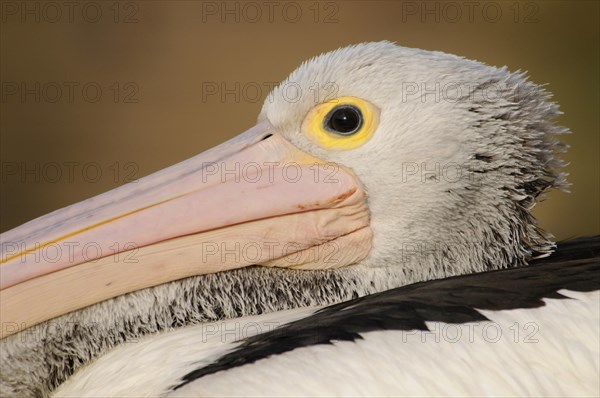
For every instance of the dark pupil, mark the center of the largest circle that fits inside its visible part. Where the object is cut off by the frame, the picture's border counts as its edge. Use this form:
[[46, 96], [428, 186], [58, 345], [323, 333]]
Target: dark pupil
[[345, 120]]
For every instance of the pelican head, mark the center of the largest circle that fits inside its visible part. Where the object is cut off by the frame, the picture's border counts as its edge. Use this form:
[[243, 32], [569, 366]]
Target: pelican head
[[397, 164], [458, 154]]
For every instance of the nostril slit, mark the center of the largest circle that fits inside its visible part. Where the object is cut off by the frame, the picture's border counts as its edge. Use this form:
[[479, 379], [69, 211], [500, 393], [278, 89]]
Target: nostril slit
[[266, 136]]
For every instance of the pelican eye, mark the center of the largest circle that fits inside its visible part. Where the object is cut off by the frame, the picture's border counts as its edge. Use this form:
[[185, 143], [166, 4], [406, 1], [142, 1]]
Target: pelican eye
[[344, 120], [341, 124]]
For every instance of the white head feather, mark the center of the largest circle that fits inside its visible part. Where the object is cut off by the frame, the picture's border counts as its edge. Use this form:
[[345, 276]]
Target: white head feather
[[460, 155]]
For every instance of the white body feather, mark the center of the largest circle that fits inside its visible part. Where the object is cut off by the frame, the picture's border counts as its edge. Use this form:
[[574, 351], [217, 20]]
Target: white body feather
[[549, 351]]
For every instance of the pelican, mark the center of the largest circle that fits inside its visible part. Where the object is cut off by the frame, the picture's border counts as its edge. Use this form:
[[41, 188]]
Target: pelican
[[367, 236]]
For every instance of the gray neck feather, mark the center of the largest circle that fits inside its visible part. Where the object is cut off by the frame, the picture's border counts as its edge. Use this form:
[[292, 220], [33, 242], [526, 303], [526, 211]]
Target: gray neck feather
[[37, 360]]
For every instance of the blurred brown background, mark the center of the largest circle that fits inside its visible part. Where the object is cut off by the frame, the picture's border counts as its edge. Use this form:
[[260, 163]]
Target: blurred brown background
[[120, 85]]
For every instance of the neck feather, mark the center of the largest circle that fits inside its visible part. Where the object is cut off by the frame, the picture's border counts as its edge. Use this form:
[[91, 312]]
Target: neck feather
[[38, 359]]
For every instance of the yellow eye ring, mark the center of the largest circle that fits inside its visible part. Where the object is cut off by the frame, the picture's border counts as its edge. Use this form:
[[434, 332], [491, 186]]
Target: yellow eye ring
[[318, 126]]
